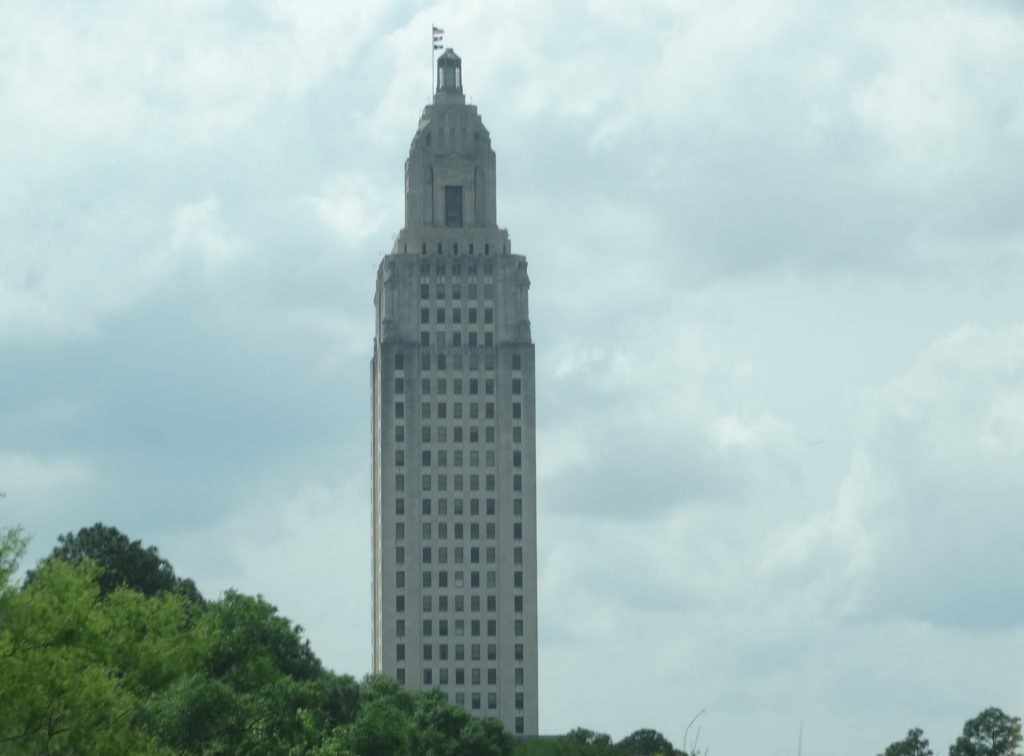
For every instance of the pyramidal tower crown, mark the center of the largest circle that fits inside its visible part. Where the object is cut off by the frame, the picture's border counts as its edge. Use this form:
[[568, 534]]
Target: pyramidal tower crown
[[450, 173]]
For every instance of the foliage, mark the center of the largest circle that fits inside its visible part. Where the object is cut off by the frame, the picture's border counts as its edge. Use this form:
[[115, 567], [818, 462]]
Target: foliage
[[915, 744], [646, 743], [122, 562], [104, 651], [991, 733]]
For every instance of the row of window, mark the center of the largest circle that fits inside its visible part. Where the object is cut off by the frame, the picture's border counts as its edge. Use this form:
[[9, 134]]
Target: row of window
[[441, 315], [472, 291], [458, 531], [454, 339], [442, 556], [475, 697], [458, 434], [475, 651], [458, 601], [457, 408], [457, 361], [458, 507], [441, 457], [472, 385], [441, 270], [426, 483], [456, 267], [442, 628]]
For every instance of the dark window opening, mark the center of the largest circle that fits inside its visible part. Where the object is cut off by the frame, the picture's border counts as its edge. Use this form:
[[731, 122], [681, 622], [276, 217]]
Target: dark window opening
[[453, 206]]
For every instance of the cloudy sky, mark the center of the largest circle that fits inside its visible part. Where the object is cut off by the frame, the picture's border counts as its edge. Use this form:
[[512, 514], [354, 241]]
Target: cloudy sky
[[777, 254]]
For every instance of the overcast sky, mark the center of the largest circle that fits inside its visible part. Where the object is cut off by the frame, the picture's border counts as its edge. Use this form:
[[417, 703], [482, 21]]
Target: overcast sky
[[777, 261]]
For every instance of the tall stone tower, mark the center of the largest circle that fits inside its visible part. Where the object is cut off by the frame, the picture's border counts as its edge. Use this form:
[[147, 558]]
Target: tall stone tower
[[454, 457]]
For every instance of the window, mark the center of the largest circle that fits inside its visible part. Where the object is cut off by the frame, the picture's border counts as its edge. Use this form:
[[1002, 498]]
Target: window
[[489, 435], [460, 677], [488, 315], [453, 206], [517, 507], [440, 315], [492, 700], [399, 603], [517, 530], [399, 434], [517, 410], [489, 386], [476, 700], [517, 386], [400, 652], [520, 725], [399, 385], [520, 704], [517, 458], [424, 315], [400, 579], [517, 602], [517, 555], [425, 338], [399, 506], [475, 672], [428, 652], [399, 530], [399, 482], [428, 628], [425, 506], [519, 628], [401, 675], [399, 409], [492, 676], [400, 628], [519, 652], [427, 677], [425, 410], [492, 628], [399, 361], [517, 434], [425, 458]]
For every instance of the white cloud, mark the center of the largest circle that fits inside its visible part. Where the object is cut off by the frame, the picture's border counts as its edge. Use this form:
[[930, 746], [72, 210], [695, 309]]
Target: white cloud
[[350, 205]]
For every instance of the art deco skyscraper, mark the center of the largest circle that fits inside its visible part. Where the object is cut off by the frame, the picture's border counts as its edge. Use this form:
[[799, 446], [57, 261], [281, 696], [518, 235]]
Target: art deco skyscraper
[[454, 460]]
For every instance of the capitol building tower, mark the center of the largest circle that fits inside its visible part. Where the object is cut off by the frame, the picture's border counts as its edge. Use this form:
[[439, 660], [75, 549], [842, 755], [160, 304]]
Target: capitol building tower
[[454, 522]]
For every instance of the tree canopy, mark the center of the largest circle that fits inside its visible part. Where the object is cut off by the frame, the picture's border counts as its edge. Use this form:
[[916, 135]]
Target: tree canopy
[[915, 744], [991, 733]]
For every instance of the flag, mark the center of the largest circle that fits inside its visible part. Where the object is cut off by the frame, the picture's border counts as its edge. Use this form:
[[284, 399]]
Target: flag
[[438, 34]]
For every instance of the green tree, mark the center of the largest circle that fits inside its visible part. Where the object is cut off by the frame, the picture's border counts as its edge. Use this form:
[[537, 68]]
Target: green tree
[[646, 742], [915, 744], [123, 562], [991, 733], [75, 667]]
